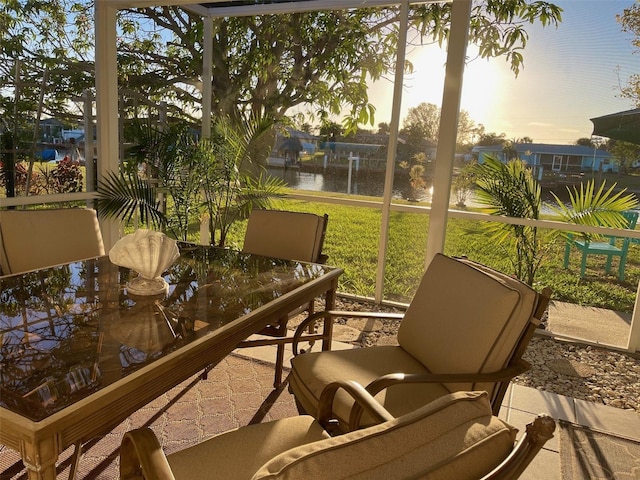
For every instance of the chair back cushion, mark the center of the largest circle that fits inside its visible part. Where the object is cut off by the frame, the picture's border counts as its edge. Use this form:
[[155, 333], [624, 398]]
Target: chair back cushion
[[36, 239], [282, 234], [466, 318], [453, 437]]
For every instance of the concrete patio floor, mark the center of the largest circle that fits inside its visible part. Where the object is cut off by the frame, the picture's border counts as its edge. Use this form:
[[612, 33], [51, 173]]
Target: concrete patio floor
[[592, 324]]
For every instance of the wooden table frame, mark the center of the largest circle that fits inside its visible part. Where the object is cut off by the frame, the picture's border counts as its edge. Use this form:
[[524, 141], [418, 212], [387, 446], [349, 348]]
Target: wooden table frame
[[40, 443]]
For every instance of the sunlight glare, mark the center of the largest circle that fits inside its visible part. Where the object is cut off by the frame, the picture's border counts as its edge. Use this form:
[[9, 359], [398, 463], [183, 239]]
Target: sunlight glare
[[483, 81]]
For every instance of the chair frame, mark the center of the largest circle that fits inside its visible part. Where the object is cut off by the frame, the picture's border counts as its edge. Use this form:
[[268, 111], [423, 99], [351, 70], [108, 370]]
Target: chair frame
[[278, 329], [516, 366], [607, 248], [141, 455]]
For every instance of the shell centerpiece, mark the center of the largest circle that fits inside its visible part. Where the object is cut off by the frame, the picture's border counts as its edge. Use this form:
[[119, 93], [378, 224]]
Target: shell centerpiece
[[149, 253]]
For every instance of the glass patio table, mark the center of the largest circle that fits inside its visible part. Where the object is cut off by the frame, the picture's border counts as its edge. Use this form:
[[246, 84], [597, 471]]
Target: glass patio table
[[78, 354]]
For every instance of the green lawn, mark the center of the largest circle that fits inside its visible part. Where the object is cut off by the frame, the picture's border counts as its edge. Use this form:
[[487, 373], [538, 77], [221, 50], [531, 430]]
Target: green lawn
[[352, 243]]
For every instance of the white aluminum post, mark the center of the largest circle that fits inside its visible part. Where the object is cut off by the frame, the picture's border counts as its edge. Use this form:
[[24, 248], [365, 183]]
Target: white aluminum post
[[88, 140], [633, 344], [391, 150], [456, 56], [106, 103]]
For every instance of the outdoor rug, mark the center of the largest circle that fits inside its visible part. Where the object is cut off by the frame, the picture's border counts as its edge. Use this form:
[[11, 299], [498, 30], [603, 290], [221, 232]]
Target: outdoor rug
[[588, 454], [238, 391]]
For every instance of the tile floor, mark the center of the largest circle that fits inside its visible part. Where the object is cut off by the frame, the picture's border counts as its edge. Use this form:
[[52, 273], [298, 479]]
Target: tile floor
[[522, 404]]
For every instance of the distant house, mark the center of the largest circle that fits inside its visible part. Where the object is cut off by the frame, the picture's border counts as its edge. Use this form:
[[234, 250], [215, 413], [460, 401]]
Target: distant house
[[308, 141], [558, 159], [51, 130]]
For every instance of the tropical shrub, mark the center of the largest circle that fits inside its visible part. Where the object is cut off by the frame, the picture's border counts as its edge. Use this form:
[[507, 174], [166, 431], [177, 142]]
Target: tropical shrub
[[216, 177], [65, 177], [511, 190]]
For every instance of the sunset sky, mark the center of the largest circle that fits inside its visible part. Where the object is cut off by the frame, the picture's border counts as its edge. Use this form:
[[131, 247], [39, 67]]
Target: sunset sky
[[570, 75]]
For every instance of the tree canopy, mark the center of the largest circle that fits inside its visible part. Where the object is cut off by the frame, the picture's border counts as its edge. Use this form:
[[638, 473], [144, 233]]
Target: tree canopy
[[630, 23], [262, 64]]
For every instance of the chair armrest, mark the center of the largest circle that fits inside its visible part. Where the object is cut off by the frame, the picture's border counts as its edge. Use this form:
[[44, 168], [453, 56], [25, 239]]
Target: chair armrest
[[386, 381], [335, 314], [536, 435], [507, 373], [362, 398], [141, 457]]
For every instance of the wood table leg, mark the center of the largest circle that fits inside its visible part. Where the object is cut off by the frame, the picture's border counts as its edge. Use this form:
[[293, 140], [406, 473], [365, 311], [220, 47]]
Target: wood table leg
[[39, 457], [329, 304]]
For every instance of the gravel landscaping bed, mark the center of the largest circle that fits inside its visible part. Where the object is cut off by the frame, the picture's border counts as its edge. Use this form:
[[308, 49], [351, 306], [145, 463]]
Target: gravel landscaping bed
[[580, 371]]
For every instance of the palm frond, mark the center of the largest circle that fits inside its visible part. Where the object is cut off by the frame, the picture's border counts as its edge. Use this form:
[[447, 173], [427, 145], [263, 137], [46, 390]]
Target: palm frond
[[122, 196], [592, 207]]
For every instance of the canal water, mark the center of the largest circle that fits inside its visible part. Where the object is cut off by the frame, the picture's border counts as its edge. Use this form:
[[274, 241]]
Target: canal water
[[371, 183], [338, 181]]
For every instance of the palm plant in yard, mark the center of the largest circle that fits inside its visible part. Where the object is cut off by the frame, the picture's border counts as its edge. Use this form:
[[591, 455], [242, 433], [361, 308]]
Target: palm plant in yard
[[511, 190], [173, 179], [595, 207]]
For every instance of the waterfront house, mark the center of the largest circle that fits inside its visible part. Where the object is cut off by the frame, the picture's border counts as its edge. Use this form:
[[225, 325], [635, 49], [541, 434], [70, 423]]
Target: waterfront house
[[552, 164]]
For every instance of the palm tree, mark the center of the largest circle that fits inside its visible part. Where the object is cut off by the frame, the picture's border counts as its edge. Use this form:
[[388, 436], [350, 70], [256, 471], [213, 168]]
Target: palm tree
[[217, 177], [511, 190]]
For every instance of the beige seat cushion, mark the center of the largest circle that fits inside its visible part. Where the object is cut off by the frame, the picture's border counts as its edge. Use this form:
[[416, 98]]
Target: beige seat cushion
[[454, 437], [282, 234], [465, 317], [238, 454], [35, 239], [311, 372]]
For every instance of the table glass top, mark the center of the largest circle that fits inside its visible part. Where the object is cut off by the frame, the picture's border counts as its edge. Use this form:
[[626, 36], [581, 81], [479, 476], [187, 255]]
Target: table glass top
[[68, 331]]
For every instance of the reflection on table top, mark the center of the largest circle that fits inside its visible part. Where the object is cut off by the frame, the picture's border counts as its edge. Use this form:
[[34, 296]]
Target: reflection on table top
[[71, 330]]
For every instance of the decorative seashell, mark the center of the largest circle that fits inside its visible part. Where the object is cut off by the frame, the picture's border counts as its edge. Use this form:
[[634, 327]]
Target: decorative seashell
[[145, 327], [149, 253]]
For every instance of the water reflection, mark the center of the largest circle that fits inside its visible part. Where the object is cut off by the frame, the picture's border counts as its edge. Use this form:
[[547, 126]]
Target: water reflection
[[337, 181], [372, 184], [70, 330]]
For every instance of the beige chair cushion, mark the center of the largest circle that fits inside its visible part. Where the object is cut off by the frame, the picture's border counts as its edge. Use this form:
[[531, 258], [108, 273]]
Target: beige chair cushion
[[238, 454], [35, 239], [454, 437], [282, 234], [311, 372], [469, 310], [507, 341]]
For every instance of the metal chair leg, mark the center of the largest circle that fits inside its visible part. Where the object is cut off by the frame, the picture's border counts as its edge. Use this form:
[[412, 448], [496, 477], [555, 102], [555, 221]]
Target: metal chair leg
[[75, 460], [277, 379]]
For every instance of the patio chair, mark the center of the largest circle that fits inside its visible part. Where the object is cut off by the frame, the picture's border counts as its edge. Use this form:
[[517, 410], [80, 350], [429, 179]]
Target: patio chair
[[34, 239], [466, 329], [456, 436], [291, 236], [612, 246], [286, 235]]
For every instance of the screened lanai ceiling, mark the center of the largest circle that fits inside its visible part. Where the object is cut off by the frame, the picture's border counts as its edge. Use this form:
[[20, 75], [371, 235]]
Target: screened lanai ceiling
[[249, 7], [228, 8]]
